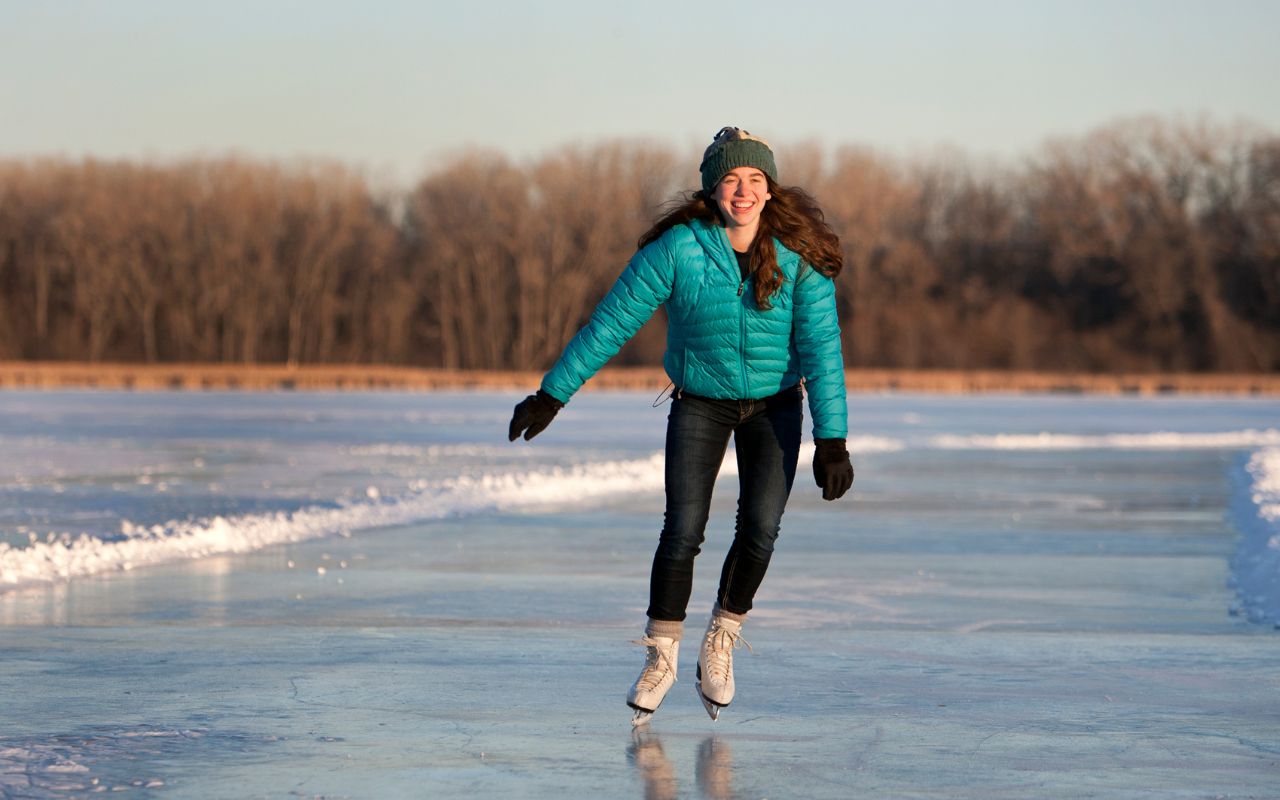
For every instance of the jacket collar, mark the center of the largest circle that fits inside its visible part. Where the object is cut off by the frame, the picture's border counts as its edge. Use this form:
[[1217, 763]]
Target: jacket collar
[[715, 243]]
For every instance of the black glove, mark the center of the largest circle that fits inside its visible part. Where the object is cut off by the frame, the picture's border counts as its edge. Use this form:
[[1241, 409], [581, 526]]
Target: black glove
[[533, 415], [832, 468]]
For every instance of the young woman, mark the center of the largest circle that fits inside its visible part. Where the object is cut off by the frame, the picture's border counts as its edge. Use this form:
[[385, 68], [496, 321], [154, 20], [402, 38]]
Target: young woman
[[745, 268]]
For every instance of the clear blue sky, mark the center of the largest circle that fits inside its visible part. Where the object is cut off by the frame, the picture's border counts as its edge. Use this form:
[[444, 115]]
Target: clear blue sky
[[394, 86]]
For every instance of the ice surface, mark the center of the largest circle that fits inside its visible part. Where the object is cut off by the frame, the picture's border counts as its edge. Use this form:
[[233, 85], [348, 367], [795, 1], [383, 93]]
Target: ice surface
[[1024, 597]]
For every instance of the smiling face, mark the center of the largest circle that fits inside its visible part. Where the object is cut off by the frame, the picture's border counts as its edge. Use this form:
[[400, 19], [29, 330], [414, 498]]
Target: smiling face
[[740, 195]]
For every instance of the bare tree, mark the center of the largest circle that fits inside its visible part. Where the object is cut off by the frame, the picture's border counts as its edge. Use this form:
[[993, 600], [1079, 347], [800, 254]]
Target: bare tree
[[1144, 245]]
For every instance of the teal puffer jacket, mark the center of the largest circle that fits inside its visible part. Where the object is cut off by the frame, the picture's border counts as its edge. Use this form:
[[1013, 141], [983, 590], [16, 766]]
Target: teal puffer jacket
[[719, 344]]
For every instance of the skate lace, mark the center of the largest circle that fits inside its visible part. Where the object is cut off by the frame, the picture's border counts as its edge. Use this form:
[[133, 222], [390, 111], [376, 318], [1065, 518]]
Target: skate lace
[[656, 664], [721, 642]]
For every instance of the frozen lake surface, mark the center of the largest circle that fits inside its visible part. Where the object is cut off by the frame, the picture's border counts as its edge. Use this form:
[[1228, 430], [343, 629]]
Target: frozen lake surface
[[375, 595]]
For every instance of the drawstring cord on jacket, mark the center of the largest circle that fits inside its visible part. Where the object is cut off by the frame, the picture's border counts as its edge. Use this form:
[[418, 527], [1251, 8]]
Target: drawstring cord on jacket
[[671, 392]]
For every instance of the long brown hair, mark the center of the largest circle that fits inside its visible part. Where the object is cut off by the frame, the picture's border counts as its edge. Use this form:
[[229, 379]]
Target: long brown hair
[[792, 216]]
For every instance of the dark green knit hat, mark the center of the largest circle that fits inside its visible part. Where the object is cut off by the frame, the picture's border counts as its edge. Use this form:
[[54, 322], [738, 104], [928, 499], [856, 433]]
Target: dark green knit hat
[[734, 147]]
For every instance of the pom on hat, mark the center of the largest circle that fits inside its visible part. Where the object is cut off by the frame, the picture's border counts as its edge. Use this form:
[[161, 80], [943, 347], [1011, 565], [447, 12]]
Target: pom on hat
[[732, 148]]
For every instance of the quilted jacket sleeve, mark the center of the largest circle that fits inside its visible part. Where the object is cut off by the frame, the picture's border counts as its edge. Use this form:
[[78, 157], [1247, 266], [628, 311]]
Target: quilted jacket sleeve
[[643, 286], [816, 332]]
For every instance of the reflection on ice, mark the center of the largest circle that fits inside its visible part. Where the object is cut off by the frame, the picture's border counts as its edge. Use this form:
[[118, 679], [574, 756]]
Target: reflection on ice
[[655, 770], [713, 769]]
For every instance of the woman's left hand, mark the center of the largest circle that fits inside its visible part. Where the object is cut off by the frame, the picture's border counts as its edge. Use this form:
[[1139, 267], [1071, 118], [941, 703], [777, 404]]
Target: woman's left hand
[[832, 468]]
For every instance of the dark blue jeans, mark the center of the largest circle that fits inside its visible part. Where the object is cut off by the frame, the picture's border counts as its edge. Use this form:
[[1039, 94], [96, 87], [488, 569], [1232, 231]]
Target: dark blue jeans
[[766, 433]]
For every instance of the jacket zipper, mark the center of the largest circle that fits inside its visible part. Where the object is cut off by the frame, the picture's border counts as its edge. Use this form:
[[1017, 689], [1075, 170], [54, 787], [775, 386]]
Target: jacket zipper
[[742, 340], [742, 317]]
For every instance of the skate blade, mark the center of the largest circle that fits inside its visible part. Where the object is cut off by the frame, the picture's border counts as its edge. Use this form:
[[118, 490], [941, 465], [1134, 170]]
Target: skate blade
[[640, 716], [713, 709]]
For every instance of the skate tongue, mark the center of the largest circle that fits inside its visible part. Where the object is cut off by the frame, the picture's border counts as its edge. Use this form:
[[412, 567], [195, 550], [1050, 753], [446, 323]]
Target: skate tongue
[[723, 642], [657, 652], [653, 641], [735, 640]]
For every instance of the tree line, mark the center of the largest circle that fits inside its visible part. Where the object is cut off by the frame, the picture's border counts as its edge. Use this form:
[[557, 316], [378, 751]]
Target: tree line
[[1145, 245]]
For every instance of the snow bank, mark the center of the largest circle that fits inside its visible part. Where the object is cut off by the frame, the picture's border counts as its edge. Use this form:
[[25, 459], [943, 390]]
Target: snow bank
[[1255, 569], [48, 561], [435, 451], [871, 444], [1111, 441], [137, 546], [62, 559]]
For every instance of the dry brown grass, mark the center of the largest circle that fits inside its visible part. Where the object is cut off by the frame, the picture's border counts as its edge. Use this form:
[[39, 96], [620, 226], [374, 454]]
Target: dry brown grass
[[67, 375]]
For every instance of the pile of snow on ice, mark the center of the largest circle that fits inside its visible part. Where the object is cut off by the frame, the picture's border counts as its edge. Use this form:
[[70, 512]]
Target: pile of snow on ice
[[1112, 441], [870, 444], [57, 559], [1255, 570], [48, 561]]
